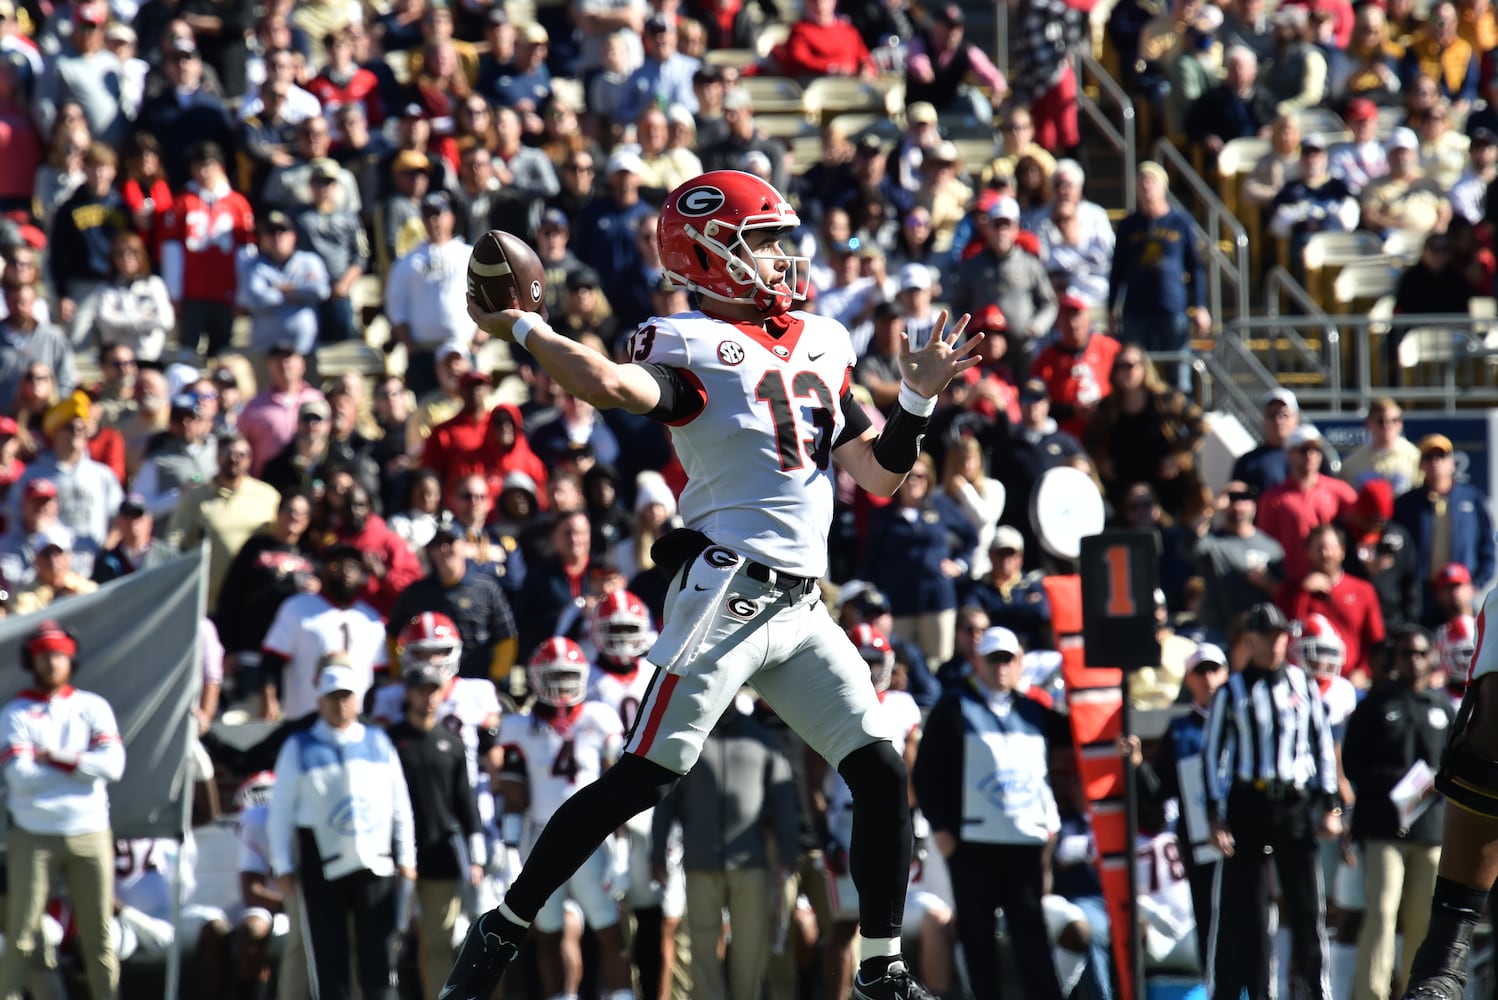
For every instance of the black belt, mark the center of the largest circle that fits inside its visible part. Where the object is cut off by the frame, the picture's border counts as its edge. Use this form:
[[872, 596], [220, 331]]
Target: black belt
[[796, 586], [1274, 790]]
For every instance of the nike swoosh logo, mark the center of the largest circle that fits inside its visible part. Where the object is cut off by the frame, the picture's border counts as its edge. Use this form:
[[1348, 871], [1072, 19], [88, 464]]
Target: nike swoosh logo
[[698, 586], [814, 357]]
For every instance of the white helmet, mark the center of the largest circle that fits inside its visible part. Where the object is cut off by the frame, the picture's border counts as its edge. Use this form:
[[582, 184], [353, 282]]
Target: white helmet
[[429, 642], [1318, 649], [1456, 642], [621, 627], [558, 673], [255, 791]]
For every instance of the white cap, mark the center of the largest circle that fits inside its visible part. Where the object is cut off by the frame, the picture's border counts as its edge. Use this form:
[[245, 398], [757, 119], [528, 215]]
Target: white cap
[[1402, 138], [1282, 395], [1300, 437], [651, 487], [1005, 208], [518, 480], [1006, 536], [998, 639], [179, 377], [340, 677], [451, 347], [914, 276], [1208, 20], [624, 159], [1205, 653]]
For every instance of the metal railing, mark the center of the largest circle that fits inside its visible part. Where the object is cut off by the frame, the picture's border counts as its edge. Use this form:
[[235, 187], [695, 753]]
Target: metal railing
[[1123, 137], [1432, 361], [1226, 270], [1311, 360]]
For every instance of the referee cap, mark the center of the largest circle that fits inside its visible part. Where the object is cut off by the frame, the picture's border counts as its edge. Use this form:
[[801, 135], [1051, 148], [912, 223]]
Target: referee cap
[[1265, 619]]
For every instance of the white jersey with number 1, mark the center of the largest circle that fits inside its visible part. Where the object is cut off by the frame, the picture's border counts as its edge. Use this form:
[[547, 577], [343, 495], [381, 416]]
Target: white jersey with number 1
[[758, 454], [563, 753]]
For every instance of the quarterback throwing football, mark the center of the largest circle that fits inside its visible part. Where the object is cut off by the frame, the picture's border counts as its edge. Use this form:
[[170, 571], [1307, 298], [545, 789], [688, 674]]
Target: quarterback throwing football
[[757, 397]]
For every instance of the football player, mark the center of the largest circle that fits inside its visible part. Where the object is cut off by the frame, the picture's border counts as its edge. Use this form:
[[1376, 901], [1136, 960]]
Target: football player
[[621, 630], [563, 744], [264, 925], [1456, 641], [759, 404]]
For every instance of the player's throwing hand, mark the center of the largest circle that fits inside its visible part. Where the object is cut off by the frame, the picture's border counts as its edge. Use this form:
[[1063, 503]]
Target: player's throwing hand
[[495, 324], [929, 370]]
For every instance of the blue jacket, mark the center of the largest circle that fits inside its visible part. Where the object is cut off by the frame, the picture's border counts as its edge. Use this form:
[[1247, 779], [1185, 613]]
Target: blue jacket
[[1471, 531], [1026, 611], [903, 558], [1156, 269], [1264, 467]]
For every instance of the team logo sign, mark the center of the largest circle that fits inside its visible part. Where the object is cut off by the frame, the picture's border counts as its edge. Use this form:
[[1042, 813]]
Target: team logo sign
[[741, 607], [720, 557], [701, 201], [730, 352]]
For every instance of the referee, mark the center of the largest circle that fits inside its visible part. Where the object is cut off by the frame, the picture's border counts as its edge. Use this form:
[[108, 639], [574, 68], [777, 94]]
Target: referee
[[1271, 790]]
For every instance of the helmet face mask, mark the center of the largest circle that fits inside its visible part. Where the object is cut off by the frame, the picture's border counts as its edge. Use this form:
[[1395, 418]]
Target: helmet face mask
[[430, 640], [1456, 644], [875, 650], [881, 670], [1318, 649], [558, 673], [256, 791], [621, 628]]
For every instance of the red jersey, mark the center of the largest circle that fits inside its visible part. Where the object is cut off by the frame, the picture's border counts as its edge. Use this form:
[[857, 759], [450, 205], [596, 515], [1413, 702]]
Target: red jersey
[[813, 49], [154, 201], [200, 238], [363, 89], [1287, 513], [1353, 610], [1076, 380]]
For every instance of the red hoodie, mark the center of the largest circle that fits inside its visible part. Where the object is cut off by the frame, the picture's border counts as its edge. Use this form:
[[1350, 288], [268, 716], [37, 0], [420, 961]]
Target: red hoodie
[[401, 567], [464, 446]]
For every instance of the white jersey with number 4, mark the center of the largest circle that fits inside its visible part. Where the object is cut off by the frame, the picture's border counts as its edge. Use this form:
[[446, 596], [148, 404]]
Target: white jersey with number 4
[[758, 454], [562, 753]]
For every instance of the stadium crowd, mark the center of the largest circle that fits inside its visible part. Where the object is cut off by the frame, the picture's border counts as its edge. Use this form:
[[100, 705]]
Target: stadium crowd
[[198, 197]]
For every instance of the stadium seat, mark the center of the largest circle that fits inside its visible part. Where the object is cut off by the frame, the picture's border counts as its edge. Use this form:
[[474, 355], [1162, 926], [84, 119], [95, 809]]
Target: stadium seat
[[735, 58], [350, 356], [1326, 253], [831, 95], [773, 95], [1323, 121], [770, 36]]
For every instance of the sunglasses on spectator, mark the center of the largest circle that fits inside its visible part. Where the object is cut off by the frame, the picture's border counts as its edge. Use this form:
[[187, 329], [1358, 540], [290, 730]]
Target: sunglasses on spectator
[[470, 496], [124, 364], [1422, 652], [1241, 498], [1000, 658], [37, 377], [238, 454], [311, 418]]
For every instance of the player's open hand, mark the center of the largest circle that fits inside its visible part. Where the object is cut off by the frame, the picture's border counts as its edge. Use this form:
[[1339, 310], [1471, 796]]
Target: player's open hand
[[496, 324], [945, 355]]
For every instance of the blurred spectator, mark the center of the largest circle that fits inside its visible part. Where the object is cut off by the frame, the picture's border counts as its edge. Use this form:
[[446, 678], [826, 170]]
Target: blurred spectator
[[916, 549], [1014, 280], [26, 342], [19, 135], [55, 579], [114, 394], [152, 401], [743, 136], [201, 236], [343, 82], [1018, 134], [225, 511], [994, 844], [586, 310], [632, 294], [1239, 564], [577, 426], [1362, 159], [1075, 369], [1383, 553], [1279, 166], [62, 173], [476, 442], [416, 520], [1315, 202], [443, 402], [343, 874], [1439, 51], [426, 294], [397, 221], [943, 68], [1032, 448], [1351, 605], [267, 137], [978, 496], [88, 492], [336, 236], [877, 369], [389, 563], [1009, 596], [737, 811], [1141, 510], [556, 583], [552, 246], [88, 74], [282, 288], [309, 626], [1388, 454], [654, 514], [61, 746], [1158, 274], [1443, 152], [1455, 597], [1469, 194], [131, 308], [479, 195], [1404, 199], [83, 233], [490, 551], [304, 464], [972, 622], [1144, 432], [180, 459], [1448, 520], [37, 526], [822, 43], [269, 567], [664, 77], [1041, 74], [1397, 725], [1076, 238], [1305, 499], [1193, 70], [1430, 286], [1266, 465], [185, 113], [527, 85], [1297, 73], [269, 421]]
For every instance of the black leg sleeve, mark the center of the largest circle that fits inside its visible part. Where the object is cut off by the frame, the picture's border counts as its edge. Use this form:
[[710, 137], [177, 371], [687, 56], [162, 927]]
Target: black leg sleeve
[[581, 824], [879, 856], [1201, 878]]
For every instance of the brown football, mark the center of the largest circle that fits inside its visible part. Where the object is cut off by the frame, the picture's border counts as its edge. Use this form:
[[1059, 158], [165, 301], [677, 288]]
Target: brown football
[[505, 273]]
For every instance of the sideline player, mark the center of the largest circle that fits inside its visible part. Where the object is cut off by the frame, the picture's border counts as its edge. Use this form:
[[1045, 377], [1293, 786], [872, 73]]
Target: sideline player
[[758, 400], [1469, 843]]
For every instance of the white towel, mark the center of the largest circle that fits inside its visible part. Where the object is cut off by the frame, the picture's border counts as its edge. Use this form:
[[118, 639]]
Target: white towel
[[697, 601]]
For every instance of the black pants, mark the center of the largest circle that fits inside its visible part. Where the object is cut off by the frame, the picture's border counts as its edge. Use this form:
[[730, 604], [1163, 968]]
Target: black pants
[[1202, 879], [1281, 831], [986, 877], [373, 904]]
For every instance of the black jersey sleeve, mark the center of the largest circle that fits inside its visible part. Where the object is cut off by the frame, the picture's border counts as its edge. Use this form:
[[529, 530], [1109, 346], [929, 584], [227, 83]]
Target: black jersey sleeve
[[855, 421], [682, 394]]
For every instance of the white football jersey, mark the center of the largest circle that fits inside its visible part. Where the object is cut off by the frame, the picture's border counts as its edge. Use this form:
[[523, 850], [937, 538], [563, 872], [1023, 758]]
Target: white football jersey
[[254, 841], [469, 703], [624, 693], [1162, 876], [143, 873], [1485, 656], [563, 753], [306, 628], [758, 456], [1338, 699], [899, 716]]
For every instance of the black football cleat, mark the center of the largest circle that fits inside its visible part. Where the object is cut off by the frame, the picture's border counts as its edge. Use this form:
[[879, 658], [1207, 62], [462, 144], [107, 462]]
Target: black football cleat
[[1437, 988], [895, 984], [491, 945]]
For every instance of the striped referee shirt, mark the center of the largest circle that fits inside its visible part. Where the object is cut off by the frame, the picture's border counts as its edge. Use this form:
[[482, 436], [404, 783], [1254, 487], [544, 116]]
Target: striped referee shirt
[[1268, 727]]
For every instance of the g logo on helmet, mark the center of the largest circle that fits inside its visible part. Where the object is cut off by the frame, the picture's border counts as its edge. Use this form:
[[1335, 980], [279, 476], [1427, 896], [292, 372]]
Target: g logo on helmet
[[701, 201], [720, 557]]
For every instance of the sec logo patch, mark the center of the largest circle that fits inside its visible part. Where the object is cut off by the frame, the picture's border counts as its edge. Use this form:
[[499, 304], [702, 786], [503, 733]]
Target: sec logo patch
[[730, 352]]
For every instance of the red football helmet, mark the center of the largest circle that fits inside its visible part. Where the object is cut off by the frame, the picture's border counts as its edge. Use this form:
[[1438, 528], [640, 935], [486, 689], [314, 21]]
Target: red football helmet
[[430, 640], [701, 238], [621, 627], [874, 646], [255, 791], [558, 673], [1318, 649], [1456, 642]]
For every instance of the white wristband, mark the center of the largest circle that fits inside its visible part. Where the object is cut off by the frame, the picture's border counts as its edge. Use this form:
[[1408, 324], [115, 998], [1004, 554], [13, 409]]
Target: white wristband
[[524, 325], [913, 402]]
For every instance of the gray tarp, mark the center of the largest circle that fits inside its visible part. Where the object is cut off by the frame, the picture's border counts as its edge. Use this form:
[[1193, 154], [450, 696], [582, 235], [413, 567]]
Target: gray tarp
[[138, 648]]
